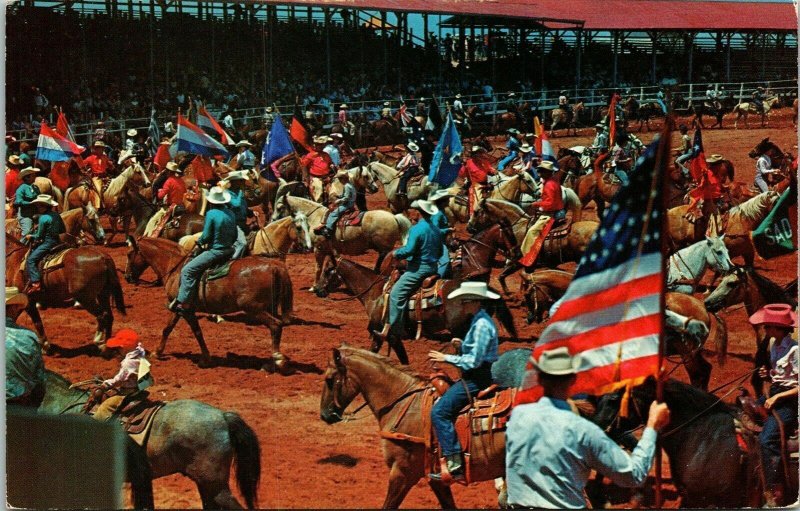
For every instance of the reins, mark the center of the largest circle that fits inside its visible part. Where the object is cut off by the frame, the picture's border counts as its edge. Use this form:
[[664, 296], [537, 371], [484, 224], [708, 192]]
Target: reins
[[362, 293]]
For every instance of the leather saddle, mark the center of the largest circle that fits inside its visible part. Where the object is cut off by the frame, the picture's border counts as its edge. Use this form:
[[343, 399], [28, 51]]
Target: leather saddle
[[135, 413], [350, 218], [50, 262], [429, 296], [559, 230], [218, 272], [749, 425]]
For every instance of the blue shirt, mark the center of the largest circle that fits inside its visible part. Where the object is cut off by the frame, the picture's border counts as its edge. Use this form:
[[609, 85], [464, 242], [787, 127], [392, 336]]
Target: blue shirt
[[513, 144], [22, 198], [480, 344], [424, 245], [333, 152], [247, 159], [24, 364], [440, 220], [51, 226], [238, 205], [219, 230], [348, 198], [550, 452]]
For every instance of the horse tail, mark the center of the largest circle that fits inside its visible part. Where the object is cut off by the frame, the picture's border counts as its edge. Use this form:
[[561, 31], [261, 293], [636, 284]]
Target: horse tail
[[115, 287], [506, 319], [573, 203], [139, 474], [247, 457], [287, 296], [405, 226], [721, 339]]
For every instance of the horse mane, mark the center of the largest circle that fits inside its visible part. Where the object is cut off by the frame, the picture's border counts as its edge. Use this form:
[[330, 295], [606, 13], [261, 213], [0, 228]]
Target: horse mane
[[117, 183], [504, 204], [691, 400], [752, 209], [773, 293], [352, 350], [165, 244]]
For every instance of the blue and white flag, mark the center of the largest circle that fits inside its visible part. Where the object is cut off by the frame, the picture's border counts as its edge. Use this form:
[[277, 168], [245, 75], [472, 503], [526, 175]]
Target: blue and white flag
[[277, 145], [154, 133], [447, 155]]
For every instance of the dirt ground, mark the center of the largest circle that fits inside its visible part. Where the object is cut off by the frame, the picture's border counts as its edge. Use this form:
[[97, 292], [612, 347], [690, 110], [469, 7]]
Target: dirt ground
[[307, 463]]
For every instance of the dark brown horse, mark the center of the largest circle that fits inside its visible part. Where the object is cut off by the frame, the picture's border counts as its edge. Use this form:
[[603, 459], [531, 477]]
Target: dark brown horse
[[368, 287], [385, 132], [260, 288], [143, 210], [86, 275], [545, 287], [596, 187]]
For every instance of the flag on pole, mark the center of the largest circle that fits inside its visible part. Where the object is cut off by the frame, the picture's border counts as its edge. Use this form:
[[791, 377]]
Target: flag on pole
[[612, 120], [277, 145], [59, 170], [194, 140], [697, 163], [53, 146], [447, 156], [545, 150], [210, 125], [411, 126], [298, 129], [154, 133], [538, 129], [777, 234], [435, 120], [611, 312]]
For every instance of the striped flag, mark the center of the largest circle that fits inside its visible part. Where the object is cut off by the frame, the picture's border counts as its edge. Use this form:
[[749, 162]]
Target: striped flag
[[543, 147], [611, 313], [194, 140], [210, 125], [612, 120], [53, 146]]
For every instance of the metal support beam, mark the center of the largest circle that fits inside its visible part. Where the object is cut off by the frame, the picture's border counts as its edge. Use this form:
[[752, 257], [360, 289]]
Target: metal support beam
[[385, 49], [728, 57], [654, 54], [615, 51], [328, 17], [578, 53], [689, 43]]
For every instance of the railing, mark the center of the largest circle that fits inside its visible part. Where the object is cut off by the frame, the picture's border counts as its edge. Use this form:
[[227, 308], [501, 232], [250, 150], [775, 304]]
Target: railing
[[493, 105]]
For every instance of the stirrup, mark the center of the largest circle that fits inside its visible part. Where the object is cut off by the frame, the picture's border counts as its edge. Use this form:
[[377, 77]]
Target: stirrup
[[384, 333]]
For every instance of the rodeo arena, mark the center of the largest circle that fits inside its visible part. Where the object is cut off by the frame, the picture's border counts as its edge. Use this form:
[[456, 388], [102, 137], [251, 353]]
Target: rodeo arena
[[323, 254]]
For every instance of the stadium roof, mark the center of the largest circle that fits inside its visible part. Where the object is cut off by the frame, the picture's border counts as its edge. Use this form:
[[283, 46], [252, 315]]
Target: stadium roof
[[640, 15]]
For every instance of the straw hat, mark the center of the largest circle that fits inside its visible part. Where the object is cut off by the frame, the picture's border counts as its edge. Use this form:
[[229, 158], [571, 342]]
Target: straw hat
[[269, 109], [99, 143], [386, 103], [218, 195], [530, 135], [320, 140], [173, 167], [14, 160], [477, 148], [43, 198], [458, 96], [342, 173], [124, 155], [525, 148], [27, 171], [238, 175], [337, 135], [714, 158], [558, 362], [473, 291], [411, 146], [243, 143], [511, 94], [546, 165], [776, 314], [15, 297], [131, 132], [344, 106], [426, 206], [439, 194], [125, 338]]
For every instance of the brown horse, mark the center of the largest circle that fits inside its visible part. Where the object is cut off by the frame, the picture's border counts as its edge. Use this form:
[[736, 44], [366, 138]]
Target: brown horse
[[596, 187], [368, 285], [743, 109], [508, 120], [86, 275], [394, 394], [260, 288], [570, 121], [545, 287], [385, 132], [76, 222]]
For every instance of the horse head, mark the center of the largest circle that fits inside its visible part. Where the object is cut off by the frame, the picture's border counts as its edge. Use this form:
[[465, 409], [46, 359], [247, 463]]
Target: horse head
[[729, 291], [479, 218], [717, 255], [281, 209], [364, 178], [761, 148], [339, 389], [135, 265], [302, 229], [93, 220]]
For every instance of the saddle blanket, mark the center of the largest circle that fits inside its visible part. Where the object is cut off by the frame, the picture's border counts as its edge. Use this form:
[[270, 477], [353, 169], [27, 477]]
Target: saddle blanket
[[51, 261], [352, 218], [218, 272], [135, 416]]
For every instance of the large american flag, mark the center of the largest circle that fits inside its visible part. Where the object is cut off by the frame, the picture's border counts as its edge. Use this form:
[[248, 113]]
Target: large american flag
[[611, 313]]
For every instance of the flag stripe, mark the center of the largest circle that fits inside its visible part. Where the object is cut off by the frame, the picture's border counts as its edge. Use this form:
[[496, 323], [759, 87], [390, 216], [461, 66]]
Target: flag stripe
[[194, 140], [626, 291], [604, 335]]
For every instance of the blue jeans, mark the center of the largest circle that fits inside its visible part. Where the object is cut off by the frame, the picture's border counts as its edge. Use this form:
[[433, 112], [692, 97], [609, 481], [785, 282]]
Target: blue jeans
[[682, 158], [402, 290], [623, 177], [445, 410], [760, 183], [193, 270], [505, 161], [333, 217], [663, 106], [240, 245], [445, 268], [770, 437], [36, 255], [25, 225]]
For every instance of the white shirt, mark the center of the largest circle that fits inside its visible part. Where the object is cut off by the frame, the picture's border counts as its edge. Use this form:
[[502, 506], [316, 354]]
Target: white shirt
[[228, 121], [785, 358]]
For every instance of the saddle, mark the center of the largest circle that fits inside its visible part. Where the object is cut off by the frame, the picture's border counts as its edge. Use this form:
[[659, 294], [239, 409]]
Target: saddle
[[350, 218], [135, 413], [415, 179], [52, 261], [169, 219], [611, 179], [429, 296], [218, 272]]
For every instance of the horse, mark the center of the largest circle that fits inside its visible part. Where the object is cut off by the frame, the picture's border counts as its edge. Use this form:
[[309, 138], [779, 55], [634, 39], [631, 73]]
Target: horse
[[360, 176], [390, 178], [512, 188], [385, 132], [75, 221], [256, 286], [379, 230], [716, 109], [634, 111], [85, 274], [506, 120], [394, 394], [368, 286], [46, 185], [569, 119], [83, 196], [745, 108], [115, 204], [700, 442], [779, 159], [596, 187], [545, 287], [687, 266], [146, 215], [570, 167], [187, 437]]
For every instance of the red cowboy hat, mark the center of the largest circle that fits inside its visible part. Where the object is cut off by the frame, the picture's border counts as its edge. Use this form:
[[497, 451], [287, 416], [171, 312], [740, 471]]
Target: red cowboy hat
[[776, 314], [125, 338]]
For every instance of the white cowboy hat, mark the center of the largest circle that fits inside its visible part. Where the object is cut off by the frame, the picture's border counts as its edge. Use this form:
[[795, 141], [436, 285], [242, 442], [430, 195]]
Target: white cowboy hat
[[218, 195], [15, 297], [309, 114], [238, 175], [124, 155], [27, 171], [511, 94], [557, 362], [173, 167], [546, 165], [477, 148], [320, 140], [439, 194], [99, 143], [269, 109], [525, 148], [599, 125], [243, 143], [530, 135], [14, 160], [386, 103], [342, 173], [426, 206], [473, 291], [169, 127], [344, 105], [714, 158], [513, 131], [337, 135], [43, 198], [131, 132], [458, 96], [411, 146]]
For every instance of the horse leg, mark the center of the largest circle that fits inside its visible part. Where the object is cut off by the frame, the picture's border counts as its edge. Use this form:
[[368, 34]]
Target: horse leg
[[275, 326], [112, 226], [699, 370], [95, 307], [399, 486], [217, 495], [600, 209], [379, 262], [191, 318], [33, 312], [396, 344], [165, 334], [377, 341], [443, 494], [507, 272]]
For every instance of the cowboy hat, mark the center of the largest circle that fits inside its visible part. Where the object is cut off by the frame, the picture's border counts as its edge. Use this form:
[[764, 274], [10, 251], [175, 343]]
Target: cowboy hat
[[268, 109], [426, 206], [15, 297], [458, 96], [44, 198], [27, 171], [327, 138], [173, 167], [337, 135], [513, 131], [243, 143], [131, 132], [411, 146], [125, 338], [525, 148], [473, 291], [309, 114], [124, 155], [599, 125], [439, 194], [342, 173], [238, 175], [545, 165], [714, 158], [477, 148], [557, 362], [320, 140], [218, 195], [14, 160], [511, 94], [531, 135], [99, 143], [344, 105], [775, 314], [169, 127], [386, 103]]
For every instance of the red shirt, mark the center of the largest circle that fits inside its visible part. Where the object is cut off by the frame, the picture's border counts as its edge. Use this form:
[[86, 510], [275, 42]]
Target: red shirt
[[174, 189], [712, 184], [476, 170], [12, 182], [98, 165], [551, 197], [319, 164]]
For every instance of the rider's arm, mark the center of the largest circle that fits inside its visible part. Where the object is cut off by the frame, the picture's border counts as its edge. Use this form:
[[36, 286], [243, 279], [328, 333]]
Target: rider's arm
[[164, 190], [44, 222], [410, 248], [209, 227], [474, 347]]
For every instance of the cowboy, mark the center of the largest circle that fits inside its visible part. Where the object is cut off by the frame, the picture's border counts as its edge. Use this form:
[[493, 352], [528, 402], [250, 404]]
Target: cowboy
[[422, 107], [477, 170], [340, 206], [216, 244], [619, 156], [458, 107], [563, 104], [685, 151], [660, 100], [98, 164], [763, 167], [386, 112], [441, 199], [99, 132], [47, 237], [333, 150], [512, 145], [269, 118], [25, 376], [551, 451], [423, 250], [528, 159], [478, 353], [600, 138], [758, 99], [778, 321], [133, 375], [24, 196], [551, 207], [130, 141], [235, 181], [318, 163], [347, 124], [409, 167], [173, 190], [245, 159], [12, 175]]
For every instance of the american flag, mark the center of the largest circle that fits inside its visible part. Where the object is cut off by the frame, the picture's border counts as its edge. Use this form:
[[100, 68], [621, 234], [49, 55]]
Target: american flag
[[611, 313]]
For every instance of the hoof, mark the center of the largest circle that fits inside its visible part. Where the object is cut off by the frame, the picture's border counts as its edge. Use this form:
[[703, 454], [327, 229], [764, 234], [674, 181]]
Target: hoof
[[205, 363], [160, 355], [281, 363], [47, 348]]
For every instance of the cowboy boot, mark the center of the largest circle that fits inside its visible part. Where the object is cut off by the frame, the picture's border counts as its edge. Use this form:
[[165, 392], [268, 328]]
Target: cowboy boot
[[452, 470]]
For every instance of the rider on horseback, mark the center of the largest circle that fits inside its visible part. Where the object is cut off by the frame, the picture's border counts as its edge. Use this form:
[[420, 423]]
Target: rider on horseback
[[347, 125], [758, 99], [241, 212], [476, 171], [441, 198], [245, 158], [563, 104], [551, 211], [620, 157], [341, 206], [319, 165], [600, 138], [409, 166], [512, 145], [48, 236], [685, 151], [173, 189], [219, 235], [99, 165], [763, 167], [24, 196], [511, 106], [478, 353]]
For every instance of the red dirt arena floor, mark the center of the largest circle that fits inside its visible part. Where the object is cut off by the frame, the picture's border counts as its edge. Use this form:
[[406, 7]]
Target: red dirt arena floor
[[307, 463]]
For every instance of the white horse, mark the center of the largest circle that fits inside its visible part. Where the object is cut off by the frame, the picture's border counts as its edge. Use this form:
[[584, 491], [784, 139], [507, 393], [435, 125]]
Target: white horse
[[390, 178], [743, 109], [687, 266]]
